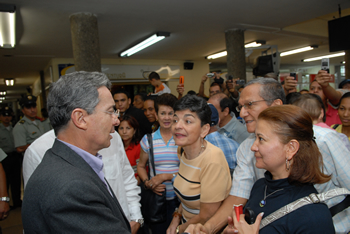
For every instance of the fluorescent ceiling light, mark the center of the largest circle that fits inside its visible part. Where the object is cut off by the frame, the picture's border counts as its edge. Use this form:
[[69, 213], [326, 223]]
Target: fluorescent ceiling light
[[10, 82], [7, 25], [2, 93], [249, 45], [144, 44], [297, 50], [324, 56]]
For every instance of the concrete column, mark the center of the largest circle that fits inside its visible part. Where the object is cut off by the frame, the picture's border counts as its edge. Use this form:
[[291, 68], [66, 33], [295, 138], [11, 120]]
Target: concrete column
[[85, 40], [235, 53], [347, 64]]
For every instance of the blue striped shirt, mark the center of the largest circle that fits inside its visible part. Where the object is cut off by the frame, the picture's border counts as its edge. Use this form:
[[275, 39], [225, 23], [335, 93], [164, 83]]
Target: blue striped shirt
[[165, 159], [227, 145]]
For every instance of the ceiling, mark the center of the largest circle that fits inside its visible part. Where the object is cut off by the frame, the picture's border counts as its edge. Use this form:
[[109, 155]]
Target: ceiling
[[197, 30]]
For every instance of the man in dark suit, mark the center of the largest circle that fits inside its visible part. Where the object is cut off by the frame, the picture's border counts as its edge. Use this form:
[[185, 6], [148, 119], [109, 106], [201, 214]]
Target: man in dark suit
[[68, 193]]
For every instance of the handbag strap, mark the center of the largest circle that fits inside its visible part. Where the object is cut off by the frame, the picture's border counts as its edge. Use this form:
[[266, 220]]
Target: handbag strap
[[311, 199], [151, 155]]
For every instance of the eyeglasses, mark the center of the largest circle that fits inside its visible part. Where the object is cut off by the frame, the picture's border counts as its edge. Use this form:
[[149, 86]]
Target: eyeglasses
[[114, 112], [248, 105]]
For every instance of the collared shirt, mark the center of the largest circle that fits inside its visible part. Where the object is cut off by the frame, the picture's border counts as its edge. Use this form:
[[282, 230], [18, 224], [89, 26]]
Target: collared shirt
[[165, 159], [117, 170], [227, 145], [133, 154], [6, 139], [234, 130], [95, 162], [25, 132], [3, 155], [336, 162]]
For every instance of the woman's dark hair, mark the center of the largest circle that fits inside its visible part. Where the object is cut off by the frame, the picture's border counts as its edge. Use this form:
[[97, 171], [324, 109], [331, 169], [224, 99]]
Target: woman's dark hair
[[291, 122], [134, 124], [197, 105], [166, 99], [312, 104], [345, 95]]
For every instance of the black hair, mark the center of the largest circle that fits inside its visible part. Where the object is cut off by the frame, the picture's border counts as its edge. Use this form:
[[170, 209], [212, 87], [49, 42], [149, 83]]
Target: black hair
[[142, 95], [191, 92], [166, 99], [154, 75], [197, 105], [292, 97], [122, 91], [226, 102], [345, 95]]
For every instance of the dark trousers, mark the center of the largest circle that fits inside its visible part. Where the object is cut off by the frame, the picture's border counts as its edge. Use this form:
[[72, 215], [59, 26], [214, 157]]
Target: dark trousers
[[160, 228], [12, 165]]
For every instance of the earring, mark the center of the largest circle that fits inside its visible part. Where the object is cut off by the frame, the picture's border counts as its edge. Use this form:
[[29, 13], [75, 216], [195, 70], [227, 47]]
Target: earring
[[202, 143], [287, 164]]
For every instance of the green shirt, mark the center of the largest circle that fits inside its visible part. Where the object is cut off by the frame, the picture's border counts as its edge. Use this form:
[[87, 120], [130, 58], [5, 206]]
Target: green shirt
[[25, 131], [6, 139]]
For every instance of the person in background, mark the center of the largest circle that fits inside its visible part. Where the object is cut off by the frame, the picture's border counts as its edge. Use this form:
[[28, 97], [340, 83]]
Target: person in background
[[159, 86], [130, 134], [28, 128], [123, 104], [165, 159], [46, 120], [228, 146], [303, 91], [150, 112], [204, 179], [229, 125], [344, 115], [4, 202], [13, 162], [286, 149], [139, 99], [345, 84]]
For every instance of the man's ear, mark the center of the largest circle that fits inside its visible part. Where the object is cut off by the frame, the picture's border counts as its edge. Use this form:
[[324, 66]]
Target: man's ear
[[204, 130], [320, 118], [226, 111], [129, 101], [277, 102], [78, 118]]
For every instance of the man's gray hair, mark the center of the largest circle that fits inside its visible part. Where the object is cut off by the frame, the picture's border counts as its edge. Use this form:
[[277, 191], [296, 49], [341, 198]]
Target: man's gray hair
[[270, 89], [71, 91]]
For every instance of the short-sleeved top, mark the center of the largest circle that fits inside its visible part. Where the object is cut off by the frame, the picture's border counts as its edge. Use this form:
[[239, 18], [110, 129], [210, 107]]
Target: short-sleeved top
[[25, 131], [234, 130], [339, 129], [332, 116], [133, 154], [163, 88], [204, 179], [6, 139], [228, 146], [165, 159]]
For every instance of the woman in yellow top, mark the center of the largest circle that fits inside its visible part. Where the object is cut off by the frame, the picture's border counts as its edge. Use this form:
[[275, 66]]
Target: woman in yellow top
[[344, 115], [204, 180]]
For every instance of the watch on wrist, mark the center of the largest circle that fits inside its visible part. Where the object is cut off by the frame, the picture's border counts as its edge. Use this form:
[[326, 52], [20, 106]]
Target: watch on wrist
[[6, 199], [177, 231], [140, 221]]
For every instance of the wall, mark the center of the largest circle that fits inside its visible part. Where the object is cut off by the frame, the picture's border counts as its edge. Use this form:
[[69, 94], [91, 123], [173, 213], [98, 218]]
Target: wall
[[192, 77]]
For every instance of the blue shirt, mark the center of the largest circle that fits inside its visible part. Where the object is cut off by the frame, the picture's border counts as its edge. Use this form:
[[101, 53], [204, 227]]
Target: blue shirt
[[95, 162], [227, 145]]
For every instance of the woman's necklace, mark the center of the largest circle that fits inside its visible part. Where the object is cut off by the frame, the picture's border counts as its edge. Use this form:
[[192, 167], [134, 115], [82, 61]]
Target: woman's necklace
[[263, 202]]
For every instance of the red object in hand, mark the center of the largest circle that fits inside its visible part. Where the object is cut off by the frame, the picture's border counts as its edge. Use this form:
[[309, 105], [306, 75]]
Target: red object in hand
[[182, 79], [238, 210]]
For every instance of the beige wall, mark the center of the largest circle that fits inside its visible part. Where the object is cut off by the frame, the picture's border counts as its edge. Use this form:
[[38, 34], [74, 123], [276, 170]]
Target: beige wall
[[192, 77]]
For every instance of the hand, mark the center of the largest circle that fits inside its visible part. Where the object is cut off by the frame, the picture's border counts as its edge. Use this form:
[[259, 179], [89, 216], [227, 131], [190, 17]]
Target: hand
[[242, 226], [204, 78], [231, 85], [134, 227], [173, 225], [4, 210], [323, 78], [156, 180], [290, 84], [197, 229], [180, 89]]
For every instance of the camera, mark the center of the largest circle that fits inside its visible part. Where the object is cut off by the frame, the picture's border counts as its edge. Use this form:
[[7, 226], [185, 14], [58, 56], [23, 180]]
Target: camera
[[210, 75], [240, 82]]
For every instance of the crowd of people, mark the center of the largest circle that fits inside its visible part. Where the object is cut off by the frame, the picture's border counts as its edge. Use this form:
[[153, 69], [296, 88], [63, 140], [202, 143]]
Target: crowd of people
[[242, 145]]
